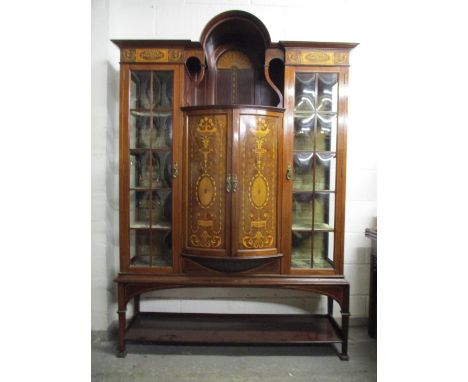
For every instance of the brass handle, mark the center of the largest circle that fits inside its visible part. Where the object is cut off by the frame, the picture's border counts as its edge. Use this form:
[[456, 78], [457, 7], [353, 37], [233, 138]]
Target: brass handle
[[289, 172], [228, 183], [175, 170], [234, 183]]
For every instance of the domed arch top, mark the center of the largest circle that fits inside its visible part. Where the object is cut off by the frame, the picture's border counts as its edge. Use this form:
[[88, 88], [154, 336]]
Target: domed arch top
[[235, 45], [239, 23]]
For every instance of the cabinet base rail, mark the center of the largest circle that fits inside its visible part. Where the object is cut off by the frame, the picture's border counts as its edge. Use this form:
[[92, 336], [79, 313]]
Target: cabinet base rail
[[234, 329]]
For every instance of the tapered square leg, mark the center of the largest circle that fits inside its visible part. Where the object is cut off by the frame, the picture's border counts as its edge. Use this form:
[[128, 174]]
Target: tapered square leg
[[122, 321], [345, 325]]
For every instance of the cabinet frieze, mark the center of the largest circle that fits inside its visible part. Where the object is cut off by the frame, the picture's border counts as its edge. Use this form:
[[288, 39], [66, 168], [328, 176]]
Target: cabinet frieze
[[316, 57], [151, 55]]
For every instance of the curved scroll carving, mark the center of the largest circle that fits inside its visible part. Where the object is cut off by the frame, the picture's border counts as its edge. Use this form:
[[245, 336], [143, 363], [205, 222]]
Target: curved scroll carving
[[273, 54], [195, 65]]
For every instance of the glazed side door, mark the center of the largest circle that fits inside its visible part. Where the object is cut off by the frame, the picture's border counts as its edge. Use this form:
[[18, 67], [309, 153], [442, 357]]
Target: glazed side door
[[315, 149], [149, 164]]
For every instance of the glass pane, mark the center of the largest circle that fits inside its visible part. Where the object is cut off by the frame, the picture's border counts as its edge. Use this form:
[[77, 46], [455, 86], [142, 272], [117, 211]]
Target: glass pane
[[302, 210], [162, 169], [303, 134], [301, 249], [140, 169], [323, 250], [327, 92], [324, 210], [161, 216], [161, 136], [326, 132], [161, 247], [164, 85], [325, 171], [151, 90], [305, 96], [305, 88], [303, 175], [141, 92], [139, 247], [140, 209], [140, 128]]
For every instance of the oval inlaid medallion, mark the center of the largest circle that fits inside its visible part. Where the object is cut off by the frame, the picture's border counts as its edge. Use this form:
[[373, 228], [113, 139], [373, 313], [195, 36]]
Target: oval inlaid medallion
[[259, 191], [206, 191]]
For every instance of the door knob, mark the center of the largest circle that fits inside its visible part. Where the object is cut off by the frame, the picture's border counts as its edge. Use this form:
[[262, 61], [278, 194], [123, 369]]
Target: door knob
[[234, 183], [175, 170], [289, 172]]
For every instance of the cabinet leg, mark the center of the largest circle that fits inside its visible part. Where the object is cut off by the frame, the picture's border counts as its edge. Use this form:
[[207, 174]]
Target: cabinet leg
[[122, 321], [330, 306], [136, 302], [345, 324], [345, 328]]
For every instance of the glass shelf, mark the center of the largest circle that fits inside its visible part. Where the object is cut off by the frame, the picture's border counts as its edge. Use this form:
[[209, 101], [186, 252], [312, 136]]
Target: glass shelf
[[311, 190], [158, 112], [306, 114], [140, 151], [149, 189], [139, 226], [160, 226], [320, 227]]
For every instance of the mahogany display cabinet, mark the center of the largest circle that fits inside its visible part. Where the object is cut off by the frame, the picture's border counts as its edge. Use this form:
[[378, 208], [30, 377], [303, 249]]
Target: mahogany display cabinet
[[232, 174]]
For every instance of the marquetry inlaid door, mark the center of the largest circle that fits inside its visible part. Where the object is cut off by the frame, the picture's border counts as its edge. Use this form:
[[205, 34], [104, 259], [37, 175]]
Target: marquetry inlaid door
[[207, 184], [256, 166], [232, 184]]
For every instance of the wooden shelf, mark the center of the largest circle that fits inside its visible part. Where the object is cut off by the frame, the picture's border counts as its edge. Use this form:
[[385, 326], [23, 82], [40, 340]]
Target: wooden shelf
[[317, 228], [142, 150], [309, 113], [158, 112], [300, 151], [148, 189], [295, 191], [161, 227], [233, 328]]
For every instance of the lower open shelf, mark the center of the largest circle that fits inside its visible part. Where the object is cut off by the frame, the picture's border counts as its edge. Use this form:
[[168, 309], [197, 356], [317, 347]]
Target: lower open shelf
[[232, 328]]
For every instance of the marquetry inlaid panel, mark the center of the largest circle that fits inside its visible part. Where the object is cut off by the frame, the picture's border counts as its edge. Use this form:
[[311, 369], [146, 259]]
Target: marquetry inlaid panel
[[152, 55], [207, 178], [258, 177], [316, 57], [234, 59]]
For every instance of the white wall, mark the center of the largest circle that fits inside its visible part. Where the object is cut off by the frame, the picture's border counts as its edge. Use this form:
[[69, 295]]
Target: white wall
[[331, 20]]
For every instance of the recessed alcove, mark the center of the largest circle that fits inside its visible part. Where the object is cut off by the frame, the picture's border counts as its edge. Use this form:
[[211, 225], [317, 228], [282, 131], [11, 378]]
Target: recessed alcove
[[234, 45]]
